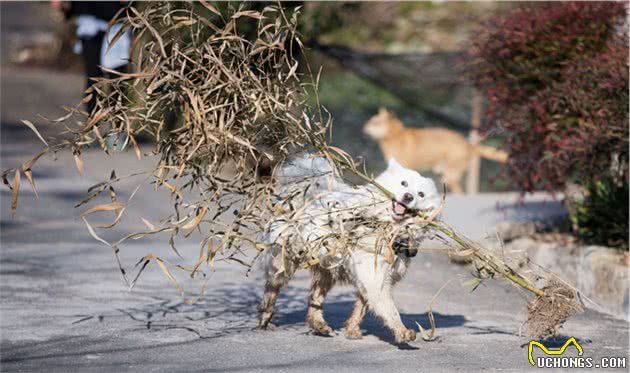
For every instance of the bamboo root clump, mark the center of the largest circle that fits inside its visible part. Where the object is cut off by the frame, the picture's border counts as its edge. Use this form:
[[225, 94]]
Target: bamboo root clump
[[222, 97]]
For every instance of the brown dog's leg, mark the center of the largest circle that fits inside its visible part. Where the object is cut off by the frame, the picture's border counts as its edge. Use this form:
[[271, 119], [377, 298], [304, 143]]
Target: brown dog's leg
[[452, 180], [453, 174], [321, 283], [353, 324]]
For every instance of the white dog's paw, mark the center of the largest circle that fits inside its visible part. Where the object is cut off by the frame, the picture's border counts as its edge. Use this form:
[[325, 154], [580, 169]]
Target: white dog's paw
[[320, 327], [264, 322], [353, 334], [405, 335]]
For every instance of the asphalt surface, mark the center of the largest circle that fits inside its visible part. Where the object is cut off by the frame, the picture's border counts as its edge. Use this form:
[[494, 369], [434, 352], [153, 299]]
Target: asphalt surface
[[65, 308]]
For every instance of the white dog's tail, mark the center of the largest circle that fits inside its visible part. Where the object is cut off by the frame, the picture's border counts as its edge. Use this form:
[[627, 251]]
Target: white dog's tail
[[311, 178]]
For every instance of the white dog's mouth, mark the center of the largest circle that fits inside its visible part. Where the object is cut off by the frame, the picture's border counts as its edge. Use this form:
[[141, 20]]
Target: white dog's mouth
[[399, 209]]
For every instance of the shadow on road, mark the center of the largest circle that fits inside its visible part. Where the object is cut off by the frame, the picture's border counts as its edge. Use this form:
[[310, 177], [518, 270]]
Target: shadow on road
[[336, 313], [231, 309]]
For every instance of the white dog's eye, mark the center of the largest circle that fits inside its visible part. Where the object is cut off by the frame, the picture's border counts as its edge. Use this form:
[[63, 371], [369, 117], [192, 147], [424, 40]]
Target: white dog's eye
[[403, 183], [421, 194]]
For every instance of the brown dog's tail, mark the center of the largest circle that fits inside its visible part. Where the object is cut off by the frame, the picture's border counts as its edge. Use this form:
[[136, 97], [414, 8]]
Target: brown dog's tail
[[491, 153]]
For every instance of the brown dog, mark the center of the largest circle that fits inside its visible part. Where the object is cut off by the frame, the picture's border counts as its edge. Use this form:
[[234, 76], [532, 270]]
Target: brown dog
[[443, 151]]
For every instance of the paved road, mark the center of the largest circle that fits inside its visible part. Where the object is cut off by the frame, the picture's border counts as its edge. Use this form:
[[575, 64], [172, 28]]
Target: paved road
[[65, 308]]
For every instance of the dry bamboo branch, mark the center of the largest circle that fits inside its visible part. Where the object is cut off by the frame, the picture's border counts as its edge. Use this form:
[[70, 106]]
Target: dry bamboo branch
[[225, 108]]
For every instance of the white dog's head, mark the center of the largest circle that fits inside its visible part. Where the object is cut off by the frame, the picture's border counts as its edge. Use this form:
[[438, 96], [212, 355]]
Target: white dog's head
[[413, 191]]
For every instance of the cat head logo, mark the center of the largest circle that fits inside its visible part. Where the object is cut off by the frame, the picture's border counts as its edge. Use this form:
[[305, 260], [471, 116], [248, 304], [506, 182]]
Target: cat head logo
[[551, 351]]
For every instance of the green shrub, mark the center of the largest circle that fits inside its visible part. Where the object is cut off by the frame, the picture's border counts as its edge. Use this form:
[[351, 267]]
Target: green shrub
[[601, 217]]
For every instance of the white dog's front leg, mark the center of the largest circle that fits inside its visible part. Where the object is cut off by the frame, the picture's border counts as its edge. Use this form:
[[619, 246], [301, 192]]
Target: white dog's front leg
[[375, 283]]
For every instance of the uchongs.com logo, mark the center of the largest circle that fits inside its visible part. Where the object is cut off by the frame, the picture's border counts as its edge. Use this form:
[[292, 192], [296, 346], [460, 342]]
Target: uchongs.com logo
[[556, 358]]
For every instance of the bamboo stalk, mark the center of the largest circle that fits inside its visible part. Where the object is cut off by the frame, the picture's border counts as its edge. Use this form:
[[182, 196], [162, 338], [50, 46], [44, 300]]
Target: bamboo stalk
[[496, 264]]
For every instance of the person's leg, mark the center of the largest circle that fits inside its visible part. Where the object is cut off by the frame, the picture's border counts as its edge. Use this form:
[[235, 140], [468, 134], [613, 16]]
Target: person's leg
[[91, 59]]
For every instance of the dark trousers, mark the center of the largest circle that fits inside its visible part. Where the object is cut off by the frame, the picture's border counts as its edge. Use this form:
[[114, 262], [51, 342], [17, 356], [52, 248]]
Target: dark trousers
[[92, 59]]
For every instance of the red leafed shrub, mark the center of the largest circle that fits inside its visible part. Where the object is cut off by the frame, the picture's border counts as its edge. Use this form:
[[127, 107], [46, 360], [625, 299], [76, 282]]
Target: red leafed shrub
[[556, 78]]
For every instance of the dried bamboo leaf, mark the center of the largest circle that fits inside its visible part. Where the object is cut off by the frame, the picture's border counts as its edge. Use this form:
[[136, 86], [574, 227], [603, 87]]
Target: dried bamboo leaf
[[248, 13], [30, 125], [168, 274], [104, 207], [79, 163], [148, 224], [93, 233], [153, 31], [196, 220], [15, 192], [135, 147], [29, 176], [119, 215], [210, 7], [29, 164]]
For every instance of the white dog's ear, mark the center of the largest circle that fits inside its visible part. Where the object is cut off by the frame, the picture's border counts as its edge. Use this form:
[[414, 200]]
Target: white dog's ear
[[393, 164]]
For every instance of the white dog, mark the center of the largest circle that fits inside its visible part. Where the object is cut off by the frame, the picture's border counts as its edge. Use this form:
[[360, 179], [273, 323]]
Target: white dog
[[322, 204]]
